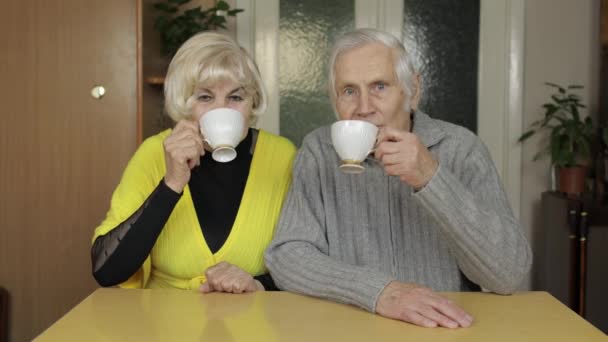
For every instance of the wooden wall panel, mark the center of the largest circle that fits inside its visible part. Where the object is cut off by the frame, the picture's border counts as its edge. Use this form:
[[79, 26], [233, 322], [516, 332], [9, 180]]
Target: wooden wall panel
[[62, 152]]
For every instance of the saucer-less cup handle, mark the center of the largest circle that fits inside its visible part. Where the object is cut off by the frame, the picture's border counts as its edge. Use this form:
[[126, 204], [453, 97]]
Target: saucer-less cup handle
[[373, 150]]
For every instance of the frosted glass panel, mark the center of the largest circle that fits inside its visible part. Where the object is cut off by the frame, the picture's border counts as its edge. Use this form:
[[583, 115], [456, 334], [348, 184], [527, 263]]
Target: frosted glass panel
[[307, 31], [443, 37]]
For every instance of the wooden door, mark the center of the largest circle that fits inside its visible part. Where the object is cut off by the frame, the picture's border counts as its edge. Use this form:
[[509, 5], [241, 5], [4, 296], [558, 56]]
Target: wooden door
[[61, 150]]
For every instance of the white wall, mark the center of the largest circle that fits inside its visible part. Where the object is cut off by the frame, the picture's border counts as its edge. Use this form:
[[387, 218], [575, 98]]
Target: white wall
[[562, 46]]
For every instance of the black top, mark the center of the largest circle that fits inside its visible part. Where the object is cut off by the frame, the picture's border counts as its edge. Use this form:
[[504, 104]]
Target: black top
[[216, 188]]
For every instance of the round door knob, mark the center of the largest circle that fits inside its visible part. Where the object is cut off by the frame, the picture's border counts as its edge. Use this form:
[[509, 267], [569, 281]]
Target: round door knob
[[98, 92]]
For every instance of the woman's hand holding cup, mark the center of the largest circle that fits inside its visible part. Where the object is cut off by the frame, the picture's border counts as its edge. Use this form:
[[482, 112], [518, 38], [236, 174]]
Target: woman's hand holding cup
[[183, 151]]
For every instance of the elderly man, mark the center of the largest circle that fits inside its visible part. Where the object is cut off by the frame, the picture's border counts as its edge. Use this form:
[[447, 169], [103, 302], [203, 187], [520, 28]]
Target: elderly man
[[428, 214]]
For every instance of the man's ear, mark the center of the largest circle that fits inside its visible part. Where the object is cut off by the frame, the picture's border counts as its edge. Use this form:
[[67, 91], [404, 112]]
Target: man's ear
[[416, 95]]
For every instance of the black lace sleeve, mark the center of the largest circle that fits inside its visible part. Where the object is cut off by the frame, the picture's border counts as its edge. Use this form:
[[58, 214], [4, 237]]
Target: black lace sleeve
[[267, 282], [117, 255]]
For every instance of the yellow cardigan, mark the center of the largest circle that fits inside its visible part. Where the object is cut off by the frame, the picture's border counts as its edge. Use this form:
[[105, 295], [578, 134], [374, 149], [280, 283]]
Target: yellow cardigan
[[180, 256]]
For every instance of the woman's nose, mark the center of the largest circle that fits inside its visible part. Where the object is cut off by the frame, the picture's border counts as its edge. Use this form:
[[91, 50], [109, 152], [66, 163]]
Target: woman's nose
[[218, 103]]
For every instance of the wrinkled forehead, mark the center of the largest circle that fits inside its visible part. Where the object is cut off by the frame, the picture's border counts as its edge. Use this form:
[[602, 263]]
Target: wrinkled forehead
[[368, 63]]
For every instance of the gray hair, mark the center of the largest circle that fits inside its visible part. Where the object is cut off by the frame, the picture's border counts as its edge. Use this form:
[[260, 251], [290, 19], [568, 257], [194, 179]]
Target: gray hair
[[404, 68]]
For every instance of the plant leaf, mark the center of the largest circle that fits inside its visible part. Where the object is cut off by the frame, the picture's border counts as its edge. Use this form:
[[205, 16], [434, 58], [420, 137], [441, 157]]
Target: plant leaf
[[160, 23], [570, 135], [526, 135], [222, 5], [583, 147], [193, 10], [179, 23], [574, 112], [540, 154], [551, 109], [549, 106], [574, 97], [161, 6], [557, 99], [559, 88], [233, 12]]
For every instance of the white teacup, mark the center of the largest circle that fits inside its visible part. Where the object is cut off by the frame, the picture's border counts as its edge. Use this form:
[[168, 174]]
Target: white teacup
[[222, 129], [353, 140]]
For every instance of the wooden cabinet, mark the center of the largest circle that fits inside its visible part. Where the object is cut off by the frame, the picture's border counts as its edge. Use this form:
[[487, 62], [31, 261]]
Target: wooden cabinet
[[571, 255]]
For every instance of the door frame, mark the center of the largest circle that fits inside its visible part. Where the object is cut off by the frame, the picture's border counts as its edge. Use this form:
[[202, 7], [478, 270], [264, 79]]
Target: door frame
[[500, 71], [257, 30]]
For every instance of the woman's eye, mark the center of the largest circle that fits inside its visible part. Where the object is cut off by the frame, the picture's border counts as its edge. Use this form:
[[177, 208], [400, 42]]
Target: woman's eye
[[204, 98], [235, 98]]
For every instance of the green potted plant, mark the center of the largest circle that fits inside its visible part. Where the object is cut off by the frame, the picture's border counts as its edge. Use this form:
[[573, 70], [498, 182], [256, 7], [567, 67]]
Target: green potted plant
[[176, 24], [570, 137]]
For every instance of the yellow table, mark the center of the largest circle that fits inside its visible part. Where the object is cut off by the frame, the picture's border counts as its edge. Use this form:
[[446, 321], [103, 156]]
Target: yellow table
[[177, 315]]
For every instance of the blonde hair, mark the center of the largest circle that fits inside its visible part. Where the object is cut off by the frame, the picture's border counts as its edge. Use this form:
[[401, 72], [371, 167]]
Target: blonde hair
[[204, 59]]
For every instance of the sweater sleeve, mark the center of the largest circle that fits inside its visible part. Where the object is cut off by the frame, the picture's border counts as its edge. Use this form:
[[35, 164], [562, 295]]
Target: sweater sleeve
[[474, 215], [298, 256]]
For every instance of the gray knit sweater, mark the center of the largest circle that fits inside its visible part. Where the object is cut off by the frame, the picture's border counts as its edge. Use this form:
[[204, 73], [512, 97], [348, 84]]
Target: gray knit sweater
[[345, 237]]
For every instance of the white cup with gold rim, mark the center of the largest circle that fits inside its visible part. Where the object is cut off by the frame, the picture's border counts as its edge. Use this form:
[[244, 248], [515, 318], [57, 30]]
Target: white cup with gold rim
[[222, 129], [353, 140]]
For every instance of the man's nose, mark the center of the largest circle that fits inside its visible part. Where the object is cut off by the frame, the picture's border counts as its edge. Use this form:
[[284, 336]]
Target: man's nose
[[364, 107]]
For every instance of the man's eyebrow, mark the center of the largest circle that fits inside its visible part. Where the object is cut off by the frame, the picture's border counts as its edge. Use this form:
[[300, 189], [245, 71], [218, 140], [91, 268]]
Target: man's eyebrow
[[380, 80], [346, 85]]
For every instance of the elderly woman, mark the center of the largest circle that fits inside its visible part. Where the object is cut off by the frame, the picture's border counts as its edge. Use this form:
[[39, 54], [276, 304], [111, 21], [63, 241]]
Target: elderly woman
[[179, 219]]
